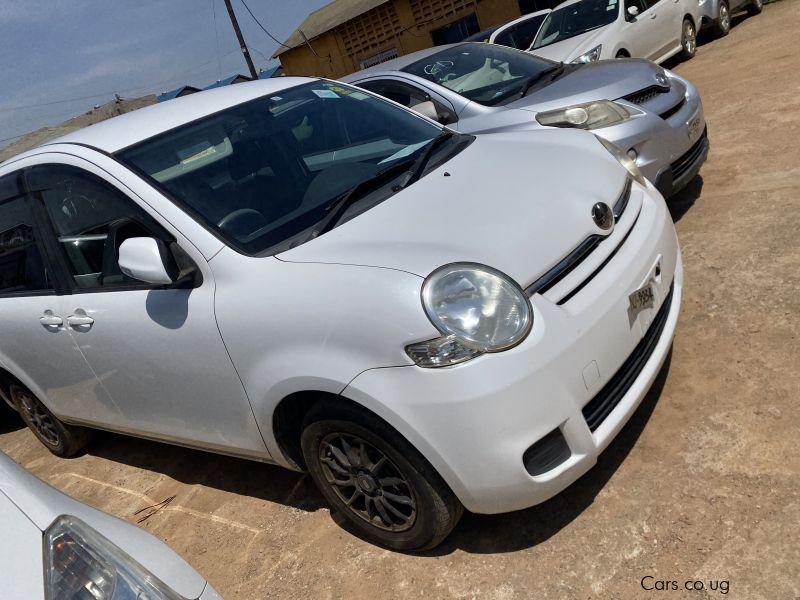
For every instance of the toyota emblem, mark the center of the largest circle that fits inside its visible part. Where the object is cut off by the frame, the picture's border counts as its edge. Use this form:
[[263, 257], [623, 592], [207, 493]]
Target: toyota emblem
[[603, 216], [662, 80]]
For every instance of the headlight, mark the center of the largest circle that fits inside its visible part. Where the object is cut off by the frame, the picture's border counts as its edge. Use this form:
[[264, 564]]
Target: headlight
[[81, 563], [477, 308], [625, 160], [592, 55], [592, 115]]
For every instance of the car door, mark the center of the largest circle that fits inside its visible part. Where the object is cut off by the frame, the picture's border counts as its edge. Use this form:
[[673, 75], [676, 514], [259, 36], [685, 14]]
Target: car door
[[37, 348], [155, 349], [663, 30], [640, 33]]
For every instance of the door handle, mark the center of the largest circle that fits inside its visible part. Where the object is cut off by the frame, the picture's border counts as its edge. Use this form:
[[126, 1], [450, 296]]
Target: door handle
[[653, 16], [51, 320], [79, 318]]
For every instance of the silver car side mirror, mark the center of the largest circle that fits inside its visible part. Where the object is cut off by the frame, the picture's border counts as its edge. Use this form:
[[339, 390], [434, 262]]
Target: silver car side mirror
[[633, 11], [143, 258]]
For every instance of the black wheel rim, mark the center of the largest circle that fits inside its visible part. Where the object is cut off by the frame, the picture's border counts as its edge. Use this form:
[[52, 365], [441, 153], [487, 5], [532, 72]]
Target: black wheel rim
[[39, 420], [367, 482]]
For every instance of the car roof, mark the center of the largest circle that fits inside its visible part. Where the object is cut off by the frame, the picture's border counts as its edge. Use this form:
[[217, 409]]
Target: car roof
[[398, 64], [126, 130]]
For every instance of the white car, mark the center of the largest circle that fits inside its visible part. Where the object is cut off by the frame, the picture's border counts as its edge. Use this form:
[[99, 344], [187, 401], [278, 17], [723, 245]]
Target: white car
[[299, 272], [59, 548], [590, 30], [521, 32]]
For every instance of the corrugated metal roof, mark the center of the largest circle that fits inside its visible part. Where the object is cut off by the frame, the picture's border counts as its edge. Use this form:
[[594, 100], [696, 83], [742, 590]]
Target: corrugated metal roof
[[174, 93], [326, 18], [227, 81]]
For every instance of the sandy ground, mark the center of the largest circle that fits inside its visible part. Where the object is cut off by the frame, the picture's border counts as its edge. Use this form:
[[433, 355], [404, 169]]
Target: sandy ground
[[704, 483]]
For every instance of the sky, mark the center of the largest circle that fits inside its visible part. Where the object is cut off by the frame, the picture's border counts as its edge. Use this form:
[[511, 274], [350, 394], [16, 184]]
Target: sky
[[59, 58]]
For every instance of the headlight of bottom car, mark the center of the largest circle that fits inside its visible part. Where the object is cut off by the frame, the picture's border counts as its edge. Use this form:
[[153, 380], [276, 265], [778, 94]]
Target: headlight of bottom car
[[478, 309], [591, 115], [81, 563], [592, 55], [626, 161]]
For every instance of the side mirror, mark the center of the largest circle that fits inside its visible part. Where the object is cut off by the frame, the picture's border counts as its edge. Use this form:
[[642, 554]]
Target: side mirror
[[145, 259], [427, 109], [633, 12]]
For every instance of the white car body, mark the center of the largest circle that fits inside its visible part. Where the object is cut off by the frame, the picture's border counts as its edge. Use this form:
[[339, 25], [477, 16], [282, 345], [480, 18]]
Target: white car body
[[655, 33], [28, 507], [333, 316]]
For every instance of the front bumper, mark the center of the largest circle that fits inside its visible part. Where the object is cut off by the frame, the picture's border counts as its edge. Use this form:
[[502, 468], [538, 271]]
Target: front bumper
[[475, 421], [660, 143]]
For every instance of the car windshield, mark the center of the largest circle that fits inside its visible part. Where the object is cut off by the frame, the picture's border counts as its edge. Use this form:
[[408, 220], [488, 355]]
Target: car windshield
[[486, 73], [576, 19], [262, 174]]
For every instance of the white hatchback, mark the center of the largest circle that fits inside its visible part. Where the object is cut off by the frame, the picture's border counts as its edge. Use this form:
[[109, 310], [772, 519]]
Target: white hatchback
[[299, 272], [590, 30]]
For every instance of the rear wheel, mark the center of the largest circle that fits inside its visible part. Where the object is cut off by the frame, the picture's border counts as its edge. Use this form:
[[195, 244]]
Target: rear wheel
[[688, 39], [722, 25], [755, 7], [61, 439], [387, 492]]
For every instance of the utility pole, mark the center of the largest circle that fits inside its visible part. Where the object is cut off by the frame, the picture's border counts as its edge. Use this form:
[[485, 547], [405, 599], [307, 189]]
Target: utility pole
[[240, 37]]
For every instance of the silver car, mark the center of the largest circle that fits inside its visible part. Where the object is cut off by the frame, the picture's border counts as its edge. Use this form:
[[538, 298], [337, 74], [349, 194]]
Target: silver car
[[64, 549], [716, 14], [652, 114]]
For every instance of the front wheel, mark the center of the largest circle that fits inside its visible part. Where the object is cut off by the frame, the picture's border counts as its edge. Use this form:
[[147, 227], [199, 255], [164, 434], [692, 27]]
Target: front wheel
[[722, 25], [383, 487], [61, 439], [755, 7], [688, 40]]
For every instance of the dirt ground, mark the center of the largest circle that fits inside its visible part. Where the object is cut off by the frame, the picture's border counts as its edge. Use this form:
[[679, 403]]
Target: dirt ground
[[703, 484]]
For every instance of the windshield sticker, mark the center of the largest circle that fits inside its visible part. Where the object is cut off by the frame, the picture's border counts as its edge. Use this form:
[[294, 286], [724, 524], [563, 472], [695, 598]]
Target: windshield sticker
[[359, 95], [341, 90], [199, 155], [612, 5], [326, 93]]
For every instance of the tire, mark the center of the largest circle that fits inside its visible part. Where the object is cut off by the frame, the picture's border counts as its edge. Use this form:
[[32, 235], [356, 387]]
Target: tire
[[722, 24], [61, 439], [688, 39], [409, 508], [755, 7]]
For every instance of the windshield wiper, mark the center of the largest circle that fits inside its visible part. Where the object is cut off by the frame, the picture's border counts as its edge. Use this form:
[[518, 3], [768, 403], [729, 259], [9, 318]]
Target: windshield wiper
[[418, 168], [345, 200], [537, 78]]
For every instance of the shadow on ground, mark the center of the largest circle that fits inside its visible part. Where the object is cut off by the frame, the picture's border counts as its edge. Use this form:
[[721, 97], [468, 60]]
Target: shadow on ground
[[193, 467], [9, 419], [680, 203]]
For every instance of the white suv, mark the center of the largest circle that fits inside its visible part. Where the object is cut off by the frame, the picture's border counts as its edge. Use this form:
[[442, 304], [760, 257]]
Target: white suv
[[299, 272]]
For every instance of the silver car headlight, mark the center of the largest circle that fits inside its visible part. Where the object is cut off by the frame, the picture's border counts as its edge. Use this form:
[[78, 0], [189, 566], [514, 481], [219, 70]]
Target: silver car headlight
[[81, 563], [478, 309], [592, 115], [592, 55], [626, 161]]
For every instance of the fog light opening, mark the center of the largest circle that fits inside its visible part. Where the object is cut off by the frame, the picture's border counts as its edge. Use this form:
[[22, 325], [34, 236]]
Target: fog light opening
[[546, 454], [633, 154]]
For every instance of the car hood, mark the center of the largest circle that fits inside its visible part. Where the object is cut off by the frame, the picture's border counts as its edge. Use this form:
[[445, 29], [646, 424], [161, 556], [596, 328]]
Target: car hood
[[516, 201], [571, 48], [40, 504], [603, 80]]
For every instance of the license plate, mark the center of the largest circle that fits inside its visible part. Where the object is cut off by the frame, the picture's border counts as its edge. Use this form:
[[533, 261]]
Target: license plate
[[694, 127], [639, 300]]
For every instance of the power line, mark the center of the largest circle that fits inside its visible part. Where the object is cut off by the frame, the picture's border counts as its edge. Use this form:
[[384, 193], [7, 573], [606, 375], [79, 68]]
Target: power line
[[264, 29]]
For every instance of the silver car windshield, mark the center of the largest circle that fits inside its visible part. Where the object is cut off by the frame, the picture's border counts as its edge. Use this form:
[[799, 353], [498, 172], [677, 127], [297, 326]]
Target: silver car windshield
[[575, 19], [485, 73], [264, 173]]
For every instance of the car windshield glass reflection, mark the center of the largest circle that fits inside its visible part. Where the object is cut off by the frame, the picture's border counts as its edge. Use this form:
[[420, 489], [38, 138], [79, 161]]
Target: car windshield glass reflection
[[576, 19], [486, 73], [262, 174]]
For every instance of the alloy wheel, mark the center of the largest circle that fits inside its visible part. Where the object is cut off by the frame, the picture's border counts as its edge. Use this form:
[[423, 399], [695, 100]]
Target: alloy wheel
[[39, 420], [367, 482], [724, 17], [690, 38]]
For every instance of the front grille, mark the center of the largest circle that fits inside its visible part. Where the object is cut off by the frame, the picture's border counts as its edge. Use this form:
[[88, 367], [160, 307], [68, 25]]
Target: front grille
[[671, 111], [599, 407], [646, 94], [685, 162], [571, 261]]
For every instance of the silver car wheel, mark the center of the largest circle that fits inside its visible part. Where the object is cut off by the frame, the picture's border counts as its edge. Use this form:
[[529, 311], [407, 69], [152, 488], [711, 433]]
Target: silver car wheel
[[689, 38], [725, 17]]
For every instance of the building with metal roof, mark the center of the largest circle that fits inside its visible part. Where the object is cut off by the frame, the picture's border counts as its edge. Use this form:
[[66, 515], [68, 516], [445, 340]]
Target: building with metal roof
[[231, 80], [347, 35], [178, 92]]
